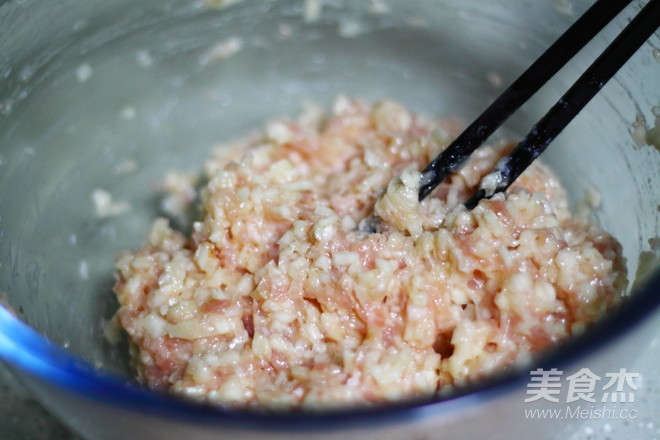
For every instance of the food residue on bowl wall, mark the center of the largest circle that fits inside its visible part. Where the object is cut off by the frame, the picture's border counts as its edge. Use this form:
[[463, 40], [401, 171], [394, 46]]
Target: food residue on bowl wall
[[642, 134], [106, 206], [84, 72]]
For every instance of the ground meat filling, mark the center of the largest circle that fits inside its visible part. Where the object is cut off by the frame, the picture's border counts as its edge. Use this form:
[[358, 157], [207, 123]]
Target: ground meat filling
[[278, 300]]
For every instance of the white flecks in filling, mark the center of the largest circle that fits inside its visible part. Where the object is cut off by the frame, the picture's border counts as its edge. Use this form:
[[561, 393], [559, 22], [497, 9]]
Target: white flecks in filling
[[277, 300]]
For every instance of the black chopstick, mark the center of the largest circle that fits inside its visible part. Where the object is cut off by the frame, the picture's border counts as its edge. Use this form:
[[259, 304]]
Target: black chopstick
[[544, 68], [581, 92]]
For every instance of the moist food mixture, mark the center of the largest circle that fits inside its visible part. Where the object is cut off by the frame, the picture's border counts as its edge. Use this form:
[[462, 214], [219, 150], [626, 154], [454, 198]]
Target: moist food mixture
[[278, 300]]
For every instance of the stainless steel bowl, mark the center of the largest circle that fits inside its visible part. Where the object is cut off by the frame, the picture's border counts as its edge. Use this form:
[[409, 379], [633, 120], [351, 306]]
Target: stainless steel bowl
[[108, 95]]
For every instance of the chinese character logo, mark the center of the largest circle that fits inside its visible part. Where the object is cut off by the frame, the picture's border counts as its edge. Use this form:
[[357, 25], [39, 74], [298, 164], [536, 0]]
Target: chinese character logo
[[582, 386], [544, 385], [620, 379], [547, 385]]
